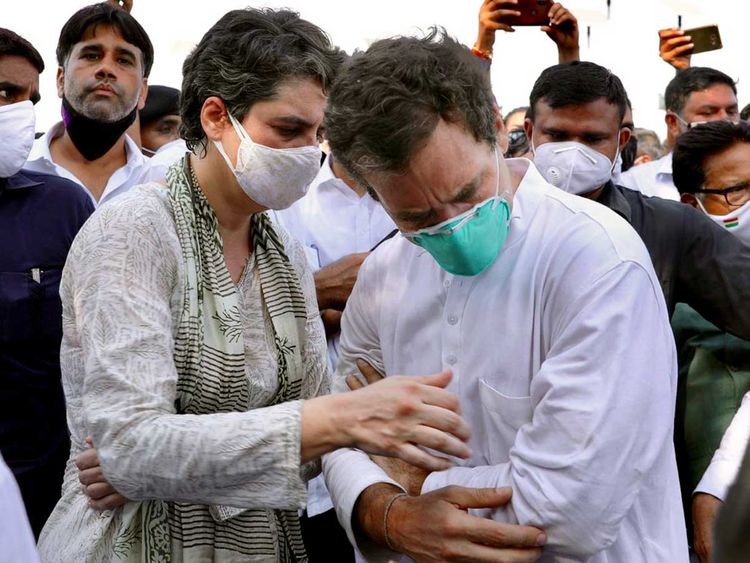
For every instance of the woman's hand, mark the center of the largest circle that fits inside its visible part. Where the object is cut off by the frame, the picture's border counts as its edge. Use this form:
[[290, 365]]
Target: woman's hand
[[102, 495], [397, 417]]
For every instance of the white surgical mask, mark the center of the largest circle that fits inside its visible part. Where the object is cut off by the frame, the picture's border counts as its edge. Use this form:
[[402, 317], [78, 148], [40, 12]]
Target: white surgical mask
[[572, 166], [17, 135], [737, 222], [273, 178]]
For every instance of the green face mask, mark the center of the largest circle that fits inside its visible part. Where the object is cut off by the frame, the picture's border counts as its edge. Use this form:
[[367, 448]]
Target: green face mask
[[467, 244]]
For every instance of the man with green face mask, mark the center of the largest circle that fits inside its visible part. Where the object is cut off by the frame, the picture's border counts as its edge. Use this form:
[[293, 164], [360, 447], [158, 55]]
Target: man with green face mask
[[544, 305]]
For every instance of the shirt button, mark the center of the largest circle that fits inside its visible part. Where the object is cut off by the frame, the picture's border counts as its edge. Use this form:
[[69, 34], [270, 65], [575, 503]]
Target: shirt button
[[453, 319], [451, 359], [447, 284]]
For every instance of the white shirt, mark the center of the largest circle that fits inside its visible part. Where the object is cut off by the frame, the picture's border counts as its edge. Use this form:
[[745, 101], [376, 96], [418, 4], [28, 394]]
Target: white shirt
[[652, 179], [16, 539], [333, 221], [564, 364], [131, 174], [163, 158], [722, 472]]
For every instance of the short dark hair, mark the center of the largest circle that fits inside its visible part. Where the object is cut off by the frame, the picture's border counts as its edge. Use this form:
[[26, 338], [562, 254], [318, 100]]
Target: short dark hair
[[576, 83], [245, 57], [106, 14], [160, 102], [693, 79], [745, 113], [389, 99], [13, 44], [699, 143]]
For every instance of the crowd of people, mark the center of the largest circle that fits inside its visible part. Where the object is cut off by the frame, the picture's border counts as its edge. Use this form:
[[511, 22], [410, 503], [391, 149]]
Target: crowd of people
[[318, 306]]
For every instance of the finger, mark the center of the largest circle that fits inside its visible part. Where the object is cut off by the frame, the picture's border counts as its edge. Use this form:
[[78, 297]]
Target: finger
[[498, 15], [108, 503], [496, 534], [465, 498], [440, 441], [91, 476], [554, 10], [670, 32], [100, 490], [419, 458], [353, 382], [441, 419], [89, 441], [678, 41], [441, 379], [86, 459], [370, 373], [685, 49]]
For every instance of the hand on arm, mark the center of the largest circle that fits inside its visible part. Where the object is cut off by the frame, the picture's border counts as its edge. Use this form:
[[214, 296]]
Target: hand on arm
[[450, 533], [675, 48], [392, 417], [563, 30], [334, 283]]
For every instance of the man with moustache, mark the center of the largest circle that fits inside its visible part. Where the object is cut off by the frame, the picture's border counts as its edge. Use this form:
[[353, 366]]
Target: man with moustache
[[105, 57]]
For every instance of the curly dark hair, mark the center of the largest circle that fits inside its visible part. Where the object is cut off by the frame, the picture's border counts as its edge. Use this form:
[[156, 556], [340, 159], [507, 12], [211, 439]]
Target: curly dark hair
[[388, 100], [245, 57]]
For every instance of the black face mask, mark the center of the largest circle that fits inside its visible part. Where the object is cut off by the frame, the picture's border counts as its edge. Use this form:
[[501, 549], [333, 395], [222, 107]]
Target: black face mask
[[93, 138]]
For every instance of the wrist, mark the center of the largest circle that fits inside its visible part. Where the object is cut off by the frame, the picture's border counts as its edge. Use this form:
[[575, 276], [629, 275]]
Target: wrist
[[319, 434], [370, 511], [569, 54]]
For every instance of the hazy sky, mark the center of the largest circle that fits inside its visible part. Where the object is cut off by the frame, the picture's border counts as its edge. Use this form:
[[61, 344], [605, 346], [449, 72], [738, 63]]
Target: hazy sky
[[626, 43]]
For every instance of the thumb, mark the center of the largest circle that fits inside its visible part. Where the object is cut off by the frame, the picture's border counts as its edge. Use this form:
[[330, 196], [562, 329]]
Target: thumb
[[466, 498]]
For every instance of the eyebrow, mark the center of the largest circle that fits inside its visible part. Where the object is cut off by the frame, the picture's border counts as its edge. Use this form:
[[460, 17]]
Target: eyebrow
[[292, 120], [15, 89], [98, 48]]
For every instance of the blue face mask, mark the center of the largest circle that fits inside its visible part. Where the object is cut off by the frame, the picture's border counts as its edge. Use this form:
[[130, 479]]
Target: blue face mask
[[467, 244]]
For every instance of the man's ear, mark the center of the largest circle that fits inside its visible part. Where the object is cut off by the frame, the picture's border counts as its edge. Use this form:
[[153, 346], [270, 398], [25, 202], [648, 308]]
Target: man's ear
[[502, 133], [528, 127], [625, 134], [673, 125], [144, 95], [689, 199], [60, 80]]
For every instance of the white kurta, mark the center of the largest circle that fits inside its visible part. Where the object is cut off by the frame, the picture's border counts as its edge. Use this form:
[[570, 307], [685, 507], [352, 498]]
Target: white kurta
[[16, 538], [564, 364], [122, 291]]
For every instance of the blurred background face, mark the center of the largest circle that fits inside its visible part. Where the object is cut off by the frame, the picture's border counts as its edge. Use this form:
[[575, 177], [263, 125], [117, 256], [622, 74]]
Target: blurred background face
[[159, 132], [727, 169]]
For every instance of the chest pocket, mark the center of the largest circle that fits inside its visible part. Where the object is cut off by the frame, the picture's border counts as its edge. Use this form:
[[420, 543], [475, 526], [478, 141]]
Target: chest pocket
[[502, 417], [30, 307]]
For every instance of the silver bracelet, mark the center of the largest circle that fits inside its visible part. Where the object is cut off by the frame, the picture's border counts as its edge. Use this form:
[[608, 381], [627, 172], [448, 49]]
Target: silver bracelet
[[385, 519]]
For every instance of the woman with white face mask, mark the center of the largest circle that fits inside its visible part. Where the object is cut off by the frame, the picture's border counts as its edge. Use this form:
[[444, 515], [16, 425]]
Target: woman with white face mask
[[193, 351], [711, 169]]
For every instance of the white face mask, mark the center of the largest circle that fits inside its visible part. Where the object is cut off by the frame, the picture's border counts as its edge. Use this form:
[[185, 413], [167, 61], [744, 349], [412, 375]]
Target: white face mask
[[17, 134], [737, 222], [273, 178], [572, 166]]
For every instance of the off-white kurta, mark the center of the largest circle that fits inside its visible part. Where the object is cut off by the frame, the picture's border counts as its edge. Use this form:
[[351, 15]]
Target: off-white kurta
[[122, 292]]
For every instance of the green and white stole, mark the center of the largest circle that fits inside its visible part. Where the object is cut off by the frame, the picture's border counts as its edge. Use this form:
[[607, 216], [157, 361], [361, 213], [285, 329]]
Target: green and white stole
[[210, 360]]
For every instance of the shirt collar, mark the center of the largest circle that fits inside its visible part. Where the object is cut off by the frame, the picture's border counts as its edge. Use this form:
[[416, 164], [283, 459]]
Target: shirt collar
[[40, 149], [327, 180], [612, 197]]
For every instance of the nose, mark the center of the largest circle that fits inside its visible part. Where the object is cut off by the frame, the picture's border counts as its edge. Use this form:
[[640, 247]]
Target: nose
[[106, 69]]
